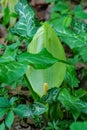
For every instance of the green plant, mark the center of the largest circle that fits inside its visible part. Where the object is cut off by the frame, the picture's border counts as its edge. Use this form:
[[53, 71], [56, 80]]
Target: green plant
[[14, 63], [43, 68], [45, 37]]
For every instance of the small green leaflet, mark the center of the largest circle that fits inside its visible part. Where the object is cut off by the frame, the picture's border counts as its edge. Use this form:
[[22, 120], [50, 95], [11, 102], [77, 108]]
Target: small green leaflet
[[9, 119], [4, 106], [10, 71], [20, 110], [27, 24], [3, 112]]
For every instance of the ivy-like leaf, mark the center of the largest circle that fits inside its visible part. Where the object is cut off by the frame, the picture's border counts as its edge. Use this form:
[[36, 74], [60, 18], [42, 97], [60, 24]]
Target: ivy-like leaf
[[68, 102], [11, 71], [70, 76], [51, 96], [72, 103], [31, 110], [69, 37], [27, 24], [35, 109]]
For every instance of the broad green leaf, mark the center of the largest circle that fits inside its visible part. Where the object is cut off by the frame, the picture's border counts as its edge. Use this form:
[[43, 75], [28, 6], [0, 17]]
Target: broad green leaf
[[27, 24], [70, 76], [78, 126], [69, 37], [2, 126], [6, 59], [11, 50], [9, 119], [51, 96], [31, 110], [72, 103], [41, 60], [53, 76], [11, 71], [80, 28], [10, 53], [69, 102], [35, 109]]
